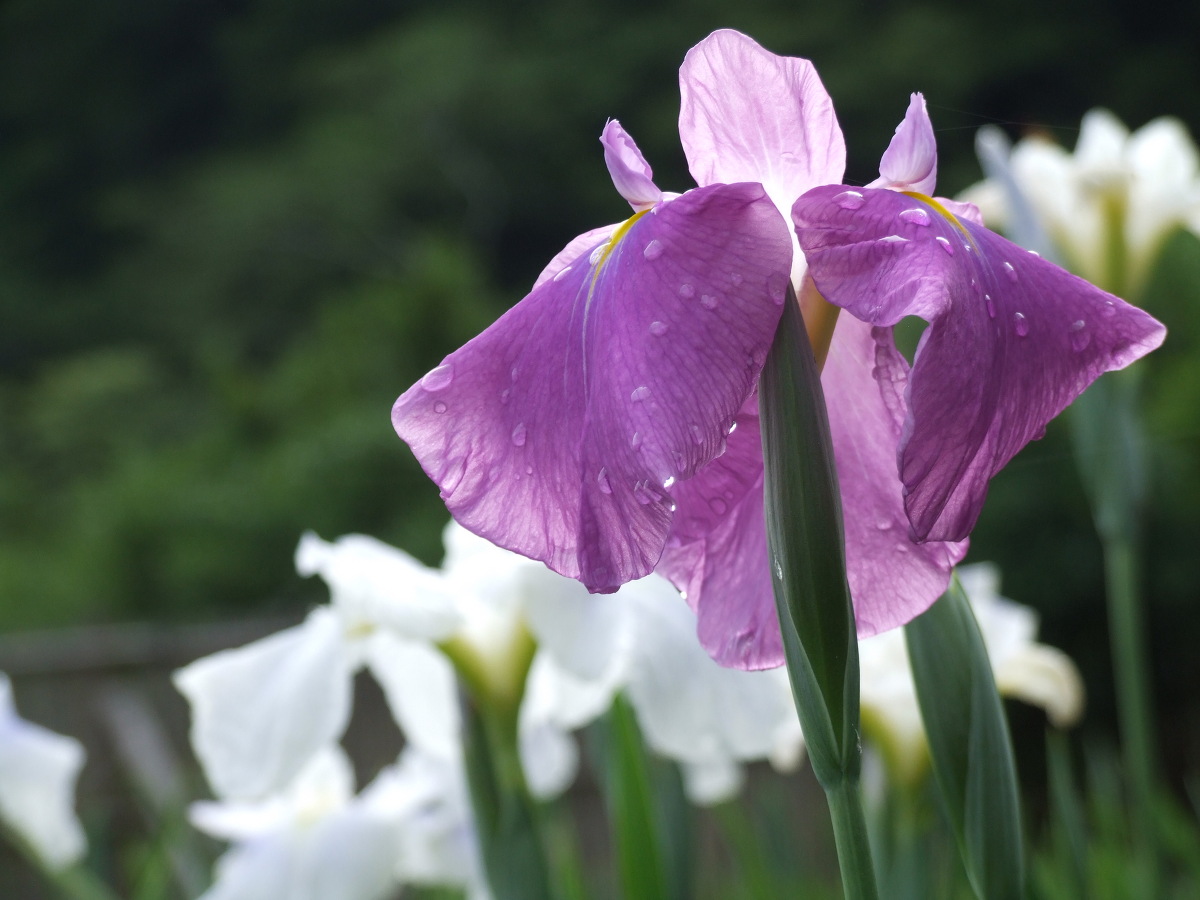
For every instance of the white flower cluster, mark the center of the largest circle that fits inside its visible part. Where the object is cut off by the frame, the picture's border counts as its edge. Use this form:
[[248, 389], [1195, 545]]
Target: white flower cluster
[[1118, 193], [267, 717]]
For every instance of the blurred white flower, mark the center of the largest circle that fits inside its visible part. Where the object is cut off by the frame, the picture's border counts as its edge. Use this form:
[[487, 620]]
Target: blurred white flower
[[316, 840], [38, 770], [1109, 206], [260, 712], [1023, 669]]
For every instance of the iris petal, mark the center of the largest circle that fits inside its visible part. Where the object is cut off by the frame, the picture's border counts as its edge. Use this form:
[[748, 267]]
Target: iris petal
[[1012, 338], [558, 432]]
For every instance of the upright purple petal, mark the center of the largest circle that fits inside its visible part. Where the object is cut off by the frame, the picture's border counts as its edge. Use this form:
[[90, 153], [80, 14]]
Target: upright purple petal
[[1012, 338], [629, 170], [749, 115], [558, 431], [717, 550], [910, 161]]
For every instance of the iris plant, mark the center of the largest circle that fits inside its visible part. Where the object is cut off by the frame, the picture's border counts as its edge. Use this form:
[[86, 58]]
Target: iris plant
[[608, 424]]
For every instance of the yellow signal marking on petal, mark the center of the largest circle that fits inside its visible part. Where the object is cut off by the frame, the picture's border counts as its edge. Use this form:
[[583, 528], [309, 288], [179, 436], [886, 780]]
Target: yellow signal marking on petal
[[944, 213], [622, 230]]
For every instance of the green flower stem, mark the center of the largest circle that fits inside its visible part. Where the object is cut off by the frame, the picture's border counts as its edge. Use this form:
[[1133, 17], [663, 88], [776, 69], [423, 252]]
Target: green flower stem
[[850, 836], [72, 883]]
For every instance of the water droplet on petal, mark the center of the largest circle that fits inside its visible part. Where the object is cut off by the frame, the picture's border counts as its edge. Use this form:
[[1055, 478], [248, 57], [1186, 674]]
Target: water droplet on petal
[[778, 569], [439, 407], [562, 273], [644, 494], [709, 301], [697, 434], [658, 329], [736, 277], [670, 480], [686, 291], [635, 441], [653, 250], [518, 435], [1109, 309], [529, 470], [1080, 336], [603, 482], [893, 239], [597, 255], [849, 200], [504, 395], [639, 394], [777, 287], [1021, 324], [991, 306], [512, 374], [438, 379], [946, 245], [732, 428], [883, 525], [1010, 271], [719, 506], [915, 216]]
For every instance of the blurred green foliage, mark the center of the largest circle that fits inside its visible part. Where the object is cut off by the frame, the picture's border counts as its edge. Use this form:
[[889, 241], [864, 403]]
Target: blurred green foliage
[[231, 233]]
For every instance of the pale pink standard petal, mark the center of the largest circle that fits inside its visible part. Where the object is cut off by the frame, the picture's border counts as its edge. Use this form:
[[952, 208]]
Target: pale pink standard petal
[[749, 115], [910, 161], [630, 172]]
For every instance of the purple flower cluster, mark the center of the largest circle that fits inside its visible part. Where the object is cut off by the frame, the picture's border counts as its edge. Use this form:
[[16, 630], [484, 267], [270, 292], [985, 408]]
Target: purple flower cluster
[[608, 423]]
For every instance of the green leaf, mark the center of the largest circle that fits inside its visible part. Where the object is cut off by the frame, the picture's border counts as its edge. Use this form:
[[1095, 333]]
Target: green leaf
[[808, 557], [649, 815], [506, 818], [969, 744]]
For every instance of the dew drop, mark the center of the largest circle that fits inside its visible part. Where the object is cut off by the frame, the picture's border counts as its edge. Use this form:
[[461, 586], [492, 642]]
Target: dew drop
[[504, 395], [653, 250], [719, 506], [1109, 309], [991, 306], [670, 480], [731, 429], [686, 291], [709, 301], [603, 482], [644, 494], [849, 200], [438, 379], [1021, 324], [639, 394], [529, 470], [597, 255], [658, 329], [697, 434], [512, 373], [439, 407], [915, 216], [883, 525], [518, 435], [1080, 336], [562, 273], [635, 441], [777, 287], [893, 239], [946, 245], [778, 569], [759, 356], [736, 277], [1010, 271]]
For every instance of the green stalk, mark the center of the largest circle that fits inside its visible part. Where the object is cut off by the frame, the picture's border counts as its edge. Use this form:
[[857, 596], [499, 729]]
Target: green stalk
[[812, 598]]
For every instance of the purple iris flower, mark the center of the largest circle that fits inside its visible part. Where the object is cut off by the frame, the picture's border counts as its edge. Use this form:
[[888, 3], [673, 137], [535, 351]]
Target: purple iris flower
[[607, 424]]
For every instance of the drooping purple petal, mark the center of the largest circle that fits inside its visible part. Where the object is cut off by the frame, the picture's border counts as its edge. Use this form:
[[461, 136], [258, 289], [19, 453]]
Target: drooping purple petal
[[558, 431], [1012, 338], [628, 167], [749, 115], [717, 550], [910, 161]]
